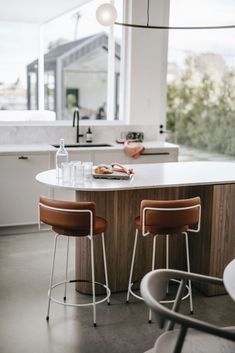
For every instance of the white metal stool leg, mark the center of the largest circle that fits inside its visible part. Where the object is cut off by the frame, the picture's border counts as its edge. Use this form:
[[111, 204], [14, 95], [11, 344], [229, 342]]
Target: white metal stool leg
[[188, 268], [132, 266], [105, 266], [66, 269], [153, 267], [154, 252], [167, 258], [93, 281], [167, 251], [52, 274]]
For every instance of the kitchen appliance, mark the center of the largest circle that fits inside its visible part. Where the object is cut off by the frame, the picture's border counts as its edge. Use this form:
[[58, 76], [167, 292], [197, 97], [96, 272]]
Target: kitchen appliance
[[135, 135]]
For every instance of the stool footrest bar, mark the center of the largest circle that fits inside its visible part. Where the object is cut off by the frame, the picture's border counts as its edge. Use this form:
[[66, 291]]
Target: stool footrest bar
[[162, 301], [79, 305]]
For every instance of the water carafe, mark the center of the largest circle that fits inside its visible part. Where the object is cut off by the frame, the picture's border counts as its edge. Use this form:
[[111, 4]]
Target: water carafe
[[61, 157]]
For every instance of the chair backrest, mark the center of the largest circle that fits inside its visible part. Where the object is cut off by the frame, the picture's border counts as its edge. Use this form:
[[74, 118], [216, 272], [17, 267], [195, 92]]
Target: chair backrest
[[171, 214], [67, 214], [153, 289]]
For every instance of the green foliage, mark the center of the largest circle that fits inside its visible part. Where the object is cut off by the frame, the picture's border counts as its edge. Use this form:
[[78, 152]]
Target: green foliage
[[201, 109]]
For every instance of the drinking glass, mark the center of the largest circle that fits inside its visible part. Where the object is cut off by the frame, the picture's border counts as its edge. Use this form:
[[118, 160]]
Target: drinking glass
[[78, 173], [66, 169], [74, 163], [88, 167]]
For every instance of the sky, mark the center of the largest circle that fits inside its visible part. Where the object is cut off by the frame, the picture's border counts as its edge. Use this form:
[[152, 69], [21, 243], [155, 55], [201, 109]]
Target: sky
[[201, 13], [19, 44]]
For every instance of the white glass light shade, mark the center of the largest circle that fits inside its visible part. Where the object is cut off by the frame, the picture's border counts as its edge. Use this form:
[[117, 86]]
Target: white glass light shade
[[106, 14]]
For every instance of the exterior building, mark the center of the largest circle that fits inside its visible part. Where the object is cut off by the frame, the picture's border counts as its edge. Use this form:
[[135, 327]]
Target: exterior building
[[13, 96], [75, 74]]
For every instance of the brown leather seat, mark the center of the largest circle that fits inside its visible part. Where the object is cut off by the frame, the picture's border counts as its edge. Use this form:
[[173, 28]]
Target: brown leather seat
[[168, 222], [158, 230], [166, 218], [70, 223], [76, 219]]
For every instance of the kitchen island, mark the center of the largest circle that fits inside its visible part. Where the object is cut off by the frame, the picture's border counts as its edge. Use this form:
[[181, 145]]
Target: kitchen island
[[118, 201], [24, 161]]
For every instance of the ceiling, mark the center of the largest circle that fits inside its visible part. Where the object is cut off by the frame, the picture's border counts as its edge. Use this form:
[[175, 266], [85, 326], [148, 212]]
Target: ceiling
[[36, 11]]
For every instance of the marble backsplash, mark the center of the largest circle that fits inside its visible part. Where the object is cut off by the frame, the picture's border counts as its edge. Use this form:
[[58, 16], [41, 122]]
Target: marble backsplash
[[51, 133]]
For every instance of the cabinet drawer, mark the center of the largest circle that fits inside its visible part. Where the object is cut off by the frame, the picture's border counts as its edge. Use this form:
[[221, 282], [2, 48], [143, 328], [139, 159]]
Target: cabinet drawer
[[19, 191], [108, 157], [82, 156], [155, 157]]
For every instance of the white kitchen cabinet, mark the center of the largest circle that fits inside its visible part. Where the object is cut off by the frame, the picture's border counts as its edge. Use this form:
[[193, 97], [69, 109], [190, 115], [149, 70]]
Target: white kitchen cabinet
[[108, 157], [155, 157], [19, 191], [78, 155]]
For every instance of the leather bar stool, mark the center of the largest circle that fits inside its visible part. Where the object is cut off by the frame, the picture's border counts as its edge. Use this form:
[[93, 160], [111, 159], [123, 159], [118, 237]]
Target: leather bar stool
[[74, 219], [166, 218]]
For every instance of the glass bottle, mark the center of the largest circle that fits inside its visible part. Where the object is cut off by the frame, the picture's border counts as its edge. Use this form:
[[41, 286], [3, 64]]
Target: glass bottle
[[61, 157], [89, 135]]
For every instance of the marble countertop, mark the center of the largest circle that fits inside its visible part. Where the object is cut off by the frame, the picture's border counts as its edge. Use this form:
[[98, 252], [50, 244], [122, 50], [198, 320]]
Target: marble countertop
[[27, 148], [149, 176]]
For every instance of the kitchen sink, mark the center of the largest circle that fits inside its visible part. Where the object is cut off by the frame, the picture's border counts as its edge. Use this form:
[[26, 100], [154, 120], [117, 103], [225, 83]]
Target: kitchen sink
[[77, 145]]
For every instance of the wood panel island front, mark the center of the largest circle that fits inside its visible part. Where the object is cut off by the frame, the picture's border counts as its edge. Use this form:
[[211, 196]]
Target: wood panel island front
[[118, 201]]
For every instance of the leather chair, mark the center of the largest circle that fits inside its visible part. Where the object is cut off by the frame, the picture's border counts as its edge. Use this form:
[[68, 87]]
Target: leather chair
[[193, 335], [74, 219], [167, 218]]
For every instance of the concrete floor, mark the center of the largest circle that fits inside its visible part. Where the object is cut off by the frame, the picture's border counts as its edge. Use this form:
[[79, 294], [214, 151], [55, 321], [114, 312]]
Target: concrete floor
[[24, 275]]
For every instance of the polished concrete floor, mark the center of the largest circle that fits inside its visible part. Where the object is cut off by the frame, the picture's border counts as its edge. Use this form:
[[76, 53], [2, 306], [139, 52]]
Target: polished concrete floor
[[24, 274]]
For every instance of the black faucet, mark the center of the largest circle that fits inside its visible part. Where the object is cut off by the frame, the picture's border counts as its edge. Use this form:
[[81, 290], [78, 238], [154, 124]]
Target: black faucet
[[76, 117]]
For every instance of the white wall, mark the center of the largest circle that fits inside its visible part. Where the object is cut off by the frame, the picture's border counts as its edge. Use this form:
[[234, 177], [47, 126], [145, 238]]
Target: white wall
[[145, 63], [49, 133]]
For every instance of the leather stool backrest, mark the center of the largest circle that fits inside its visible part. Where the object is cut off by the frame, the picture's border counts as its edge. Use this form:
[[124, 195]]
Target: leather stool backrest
[[66, 219], [172, 218]]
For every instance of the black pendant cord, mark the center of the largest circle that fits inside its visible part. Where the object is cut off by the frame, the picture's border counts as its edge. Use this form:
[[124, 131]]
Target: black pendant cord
[[133, 25], [147, 13], [173, 27]]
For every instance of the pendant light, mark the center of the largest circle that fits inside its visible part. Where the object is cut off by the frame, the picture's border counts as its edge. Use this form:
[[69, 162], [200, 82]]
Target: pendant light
[[106, 15]]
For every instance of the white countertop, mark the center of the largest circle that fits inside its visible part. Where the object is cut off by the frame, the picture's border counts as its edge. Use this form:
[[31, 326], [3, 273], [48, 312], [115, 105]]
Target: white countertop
[[27, 148], [154, 175]]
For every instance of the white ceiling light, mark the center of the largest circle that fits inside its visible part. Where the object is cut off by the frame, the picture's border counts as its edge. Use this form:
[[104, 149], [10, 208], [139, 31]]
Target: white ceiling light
[[106, 14]]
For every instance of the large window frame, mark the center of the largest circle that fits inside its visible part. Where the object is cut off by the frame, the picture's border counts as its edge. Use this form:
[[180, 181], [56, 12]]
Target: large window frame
[[200, 105], [143, 67], [111, 87]]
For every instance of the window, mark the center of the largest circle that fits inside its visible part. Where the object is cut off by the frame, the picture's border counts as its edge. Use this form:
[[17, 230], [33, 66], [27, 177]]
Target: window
[[75, 60], [49, 90], [201, 79], [18, 46]]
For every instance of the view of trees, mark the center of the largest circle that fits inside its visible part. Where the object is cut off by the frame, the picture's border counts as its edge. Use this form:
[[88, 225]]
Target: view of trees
[[201, 108]]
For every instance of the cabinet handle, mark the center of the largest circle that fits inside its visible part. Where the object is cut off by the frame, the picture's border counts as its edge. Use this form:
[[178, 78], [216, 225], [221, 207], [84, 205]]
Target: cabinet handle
[[155, 154], [23, 157]]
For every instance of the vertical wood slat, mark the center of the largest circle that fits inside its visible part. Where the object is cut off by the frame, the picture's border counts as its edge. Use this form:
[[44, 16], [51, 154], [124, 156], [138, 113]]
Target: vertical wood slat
[[208, 250], [200, 242], [222, 231]]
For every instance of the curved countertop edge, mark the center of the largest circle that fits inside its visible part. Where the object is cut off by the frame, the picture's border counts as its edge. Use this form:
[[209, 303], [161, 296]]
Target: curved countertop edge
[[154, 175]]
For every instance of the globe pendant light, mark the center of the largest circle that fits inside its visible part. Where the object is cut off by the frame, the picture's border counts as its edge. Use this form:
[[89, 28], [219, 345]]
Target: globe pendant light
[[106, 14]]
